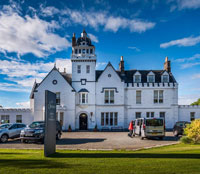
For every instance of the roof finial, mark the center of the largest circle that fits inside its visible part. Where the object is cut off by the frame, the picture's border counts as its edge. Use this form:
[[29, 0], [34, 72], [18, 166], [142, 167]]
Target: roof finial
[[166, 59], [73, 34], [55, 65], [122, 58]]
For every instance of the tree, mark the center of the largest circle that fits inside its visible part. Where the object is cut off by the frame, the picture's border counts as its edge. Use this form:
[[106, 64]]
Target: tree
[[196, 102], [1, 106], [192, 132]]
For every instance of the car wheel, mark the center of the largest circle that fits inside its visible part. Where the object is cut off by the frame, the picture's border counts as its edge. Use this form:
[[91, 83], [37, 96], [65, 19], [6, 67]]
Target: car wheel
[[4, 138], [142, 138], [58, 136]]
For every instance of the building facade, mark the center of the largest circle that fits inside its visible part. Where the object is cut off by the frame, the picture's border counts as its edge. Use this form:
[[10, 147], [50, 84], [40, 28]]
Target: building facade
[[109, 98]]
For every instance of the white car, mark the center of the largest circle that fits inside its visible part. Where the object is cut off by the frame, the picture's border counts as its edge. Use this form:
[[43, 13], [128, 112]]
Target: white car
[[13, 131]]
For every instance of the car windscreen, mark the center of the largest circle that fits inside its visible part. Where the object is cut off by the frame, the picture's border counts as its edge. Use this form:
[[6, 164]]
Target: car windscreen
[[37, 125], [4, 126], [154, 122]]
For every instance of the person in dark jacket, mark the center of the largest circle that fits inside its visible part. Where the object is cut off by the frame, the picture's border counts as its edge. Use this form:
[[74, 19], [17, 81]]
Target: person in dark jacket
[[131, 128]]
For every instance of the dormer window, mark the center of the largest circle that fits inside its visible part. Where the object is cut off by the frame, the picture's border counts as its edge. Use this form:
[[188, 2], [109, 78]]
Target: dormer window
[[165, 78], [151, 78], [137, 78]]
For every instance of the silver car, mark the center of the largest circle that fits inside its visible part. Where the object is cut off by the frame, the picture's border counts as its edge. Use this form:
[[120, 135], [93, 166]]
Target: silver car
[[6, 125], [13, 131]]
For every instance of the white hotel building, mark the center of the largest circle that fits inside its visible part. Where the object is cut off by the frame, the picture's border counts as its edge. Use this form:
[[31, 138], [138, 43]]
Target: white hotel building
[[107, 98]]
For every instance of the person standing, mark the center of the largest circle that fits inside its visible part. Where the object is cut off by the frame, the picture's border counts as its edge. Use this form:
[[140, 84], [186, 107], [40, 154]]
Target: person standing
[[131, 128]]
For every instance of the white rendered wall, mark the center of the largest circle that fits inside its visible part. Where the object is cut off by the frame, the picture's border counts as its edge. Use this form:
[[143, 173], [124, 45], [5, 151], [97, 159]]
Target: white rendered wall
[[27, 116], [185, 110], [66, 94]]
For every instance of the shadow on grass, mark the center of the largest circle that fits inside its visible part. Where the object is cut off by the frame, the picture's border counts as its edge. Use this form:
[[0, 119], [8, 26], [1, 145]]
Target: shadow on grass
[[33, 164], [124, 155], [73, 141]]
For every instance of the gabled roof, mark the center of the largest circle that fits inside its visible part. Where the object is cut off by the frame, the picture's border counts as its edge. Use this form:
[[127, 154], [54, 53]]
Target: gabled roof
[[99, 72], [67, 77], [35, 85]]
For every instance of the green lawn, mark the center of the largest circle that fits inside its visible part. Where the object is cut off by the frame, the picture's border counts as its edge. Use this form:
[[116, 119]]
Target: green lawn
[[183, 159]]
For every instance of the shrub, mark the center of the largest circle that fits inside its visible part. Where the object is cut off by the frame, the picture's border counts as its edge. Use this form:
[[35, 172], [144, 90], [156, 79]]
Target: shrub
[[192, 132], [185, 140]]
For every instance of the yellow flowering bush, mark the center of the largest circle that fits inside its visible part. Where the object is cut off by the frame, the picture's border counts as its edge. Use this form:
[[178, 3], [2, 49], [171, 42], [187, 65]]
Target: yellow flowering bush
[[192, 132]]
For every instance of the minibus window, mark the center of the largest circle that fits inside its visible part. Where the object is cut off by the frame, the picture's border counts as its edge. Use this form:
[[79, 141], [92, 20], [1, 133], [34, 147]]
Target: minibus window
[[154, 122]]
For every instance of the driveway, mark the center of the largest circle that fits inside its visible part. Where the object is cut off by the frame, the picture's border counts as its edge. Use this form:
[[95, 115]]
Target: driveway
[[97, 140]]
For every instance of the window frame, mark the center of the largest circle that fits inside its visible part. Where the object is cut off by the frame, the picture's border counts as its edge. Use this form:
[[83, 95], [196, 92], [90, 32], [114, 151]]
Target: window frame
[[137, 80], [58, 98], [18, 120], [108, 99], [85, 99], [79, 69], [138, 97], [87, 69], [158, 97]]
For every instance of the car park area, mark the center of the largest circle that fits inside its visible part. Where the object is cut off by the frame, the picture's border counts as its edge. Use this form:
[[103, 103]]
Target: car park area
[[96, 140]]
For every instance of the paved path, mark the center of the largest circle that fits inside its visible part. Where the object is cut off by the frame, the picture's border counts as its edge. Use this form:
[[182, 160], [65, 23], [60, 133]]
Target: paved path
[[97, 140]]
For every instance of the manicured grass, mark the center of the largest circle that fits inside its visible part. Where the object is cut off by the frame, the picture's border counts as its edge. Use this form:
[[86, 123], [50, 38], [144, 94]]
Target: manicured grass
[[175, 159]]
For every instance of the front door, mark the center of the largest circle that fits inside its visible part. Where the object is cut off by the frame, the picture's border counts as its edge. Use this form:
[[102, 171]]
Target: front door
[[83, 122]]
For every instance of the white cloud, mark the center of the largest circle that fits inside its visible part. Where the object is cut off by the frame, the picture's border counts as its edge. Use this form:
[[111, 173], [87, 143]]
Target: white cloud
[[93, 38], [188, 41], [187, 99], [22, 75], [134, 48], [24, 104], [189, 65], [97, 19], [101, 65], [27, 34], [188, 4], [196, 76], [48, 11], [195, 57]]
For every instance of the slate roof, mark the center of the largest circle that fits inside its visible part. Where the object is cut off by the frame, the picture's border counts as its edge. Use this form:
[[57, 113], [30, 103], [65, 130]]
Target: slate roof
[[128, 75], [67, 77]]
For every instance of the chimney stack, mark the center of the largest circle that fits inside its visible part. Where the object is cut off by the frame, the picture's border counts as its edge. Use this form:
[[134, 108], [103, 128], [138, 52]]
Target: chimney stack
[[73, 40], [121, 65], [167, 65], [64, 70]]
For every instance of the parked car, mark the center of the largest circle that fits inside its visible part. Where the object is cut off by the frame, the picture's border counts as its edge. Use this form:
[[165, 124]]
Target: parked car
[[178, 128], [150, 127], [12, 131], [36, 131], [6, 125]]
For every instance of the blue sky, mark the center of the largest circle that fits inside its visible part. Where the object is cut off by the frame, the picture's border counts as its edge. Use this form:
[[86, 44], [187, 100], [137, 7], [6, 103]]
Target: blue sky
[[35, 34]]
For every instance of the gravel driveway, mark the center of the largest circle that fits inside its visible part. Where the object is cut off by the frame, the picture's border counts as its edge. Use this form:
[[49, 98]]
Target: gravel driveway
[[97, 140]]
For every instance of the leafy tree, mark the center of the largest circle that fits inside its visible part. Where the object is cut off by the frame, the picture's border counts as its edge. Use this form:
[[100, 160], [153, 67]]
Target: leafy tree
[[192, 132], [197, 102]]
